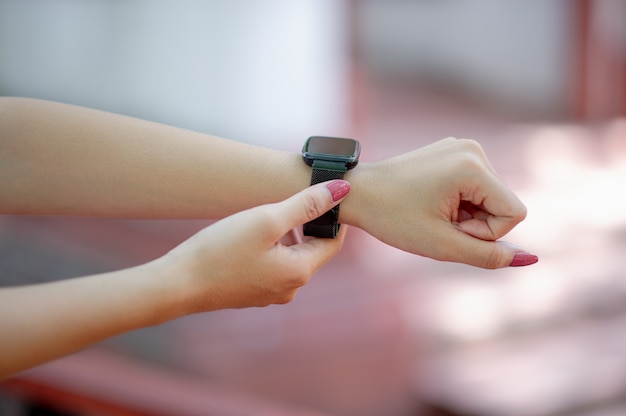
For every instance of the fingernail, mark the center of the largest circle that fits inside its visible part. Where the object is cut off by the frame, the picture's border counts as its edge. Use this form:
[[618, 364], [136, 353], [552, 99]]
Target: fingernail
[[338, 189], [523, 258]]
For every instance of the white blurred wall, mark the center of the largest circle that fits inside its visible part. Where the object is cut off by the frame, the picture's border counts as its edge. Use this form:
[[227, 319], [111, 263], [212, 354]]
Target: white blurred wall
[[270, 72]]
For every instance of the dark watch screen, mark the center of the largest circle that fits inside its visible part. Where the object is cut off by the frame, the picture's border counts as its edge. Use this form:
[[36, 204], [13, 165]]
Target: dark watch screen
[[332, 146]]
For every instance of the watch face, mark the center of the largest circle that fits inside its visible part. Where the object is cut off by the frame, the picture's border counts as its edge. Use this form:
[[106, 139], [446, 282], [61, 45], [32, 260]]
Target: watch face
[[332, 146], [331, 149]]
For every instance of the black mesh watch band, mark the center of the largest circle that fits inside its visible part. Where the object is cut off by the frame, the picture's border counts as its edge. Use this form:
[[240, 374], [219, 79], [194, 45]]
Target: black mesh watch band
[[327, 225]]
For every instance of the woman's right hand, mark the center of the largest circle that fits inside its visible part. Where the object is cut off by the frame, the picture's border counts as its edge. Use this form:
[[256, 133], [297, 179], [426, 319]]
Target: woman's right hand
[[243, 260]]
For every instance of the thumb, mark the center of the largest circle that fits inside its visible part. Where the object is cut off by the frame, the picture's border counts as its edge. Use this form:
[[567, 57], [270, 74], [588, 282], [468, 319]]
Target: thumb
[[313, 201], [489, 254]]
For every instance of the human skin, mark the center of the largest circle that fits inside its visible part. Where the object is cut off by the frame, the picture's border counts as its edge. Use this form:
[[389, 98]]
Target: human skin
[[442, 201], [237, 262]]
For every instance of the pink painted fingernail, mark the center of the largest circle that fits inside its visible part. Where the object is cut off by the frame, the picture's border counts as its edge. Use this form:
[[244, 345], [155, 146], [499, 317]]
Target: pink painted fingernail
[[338, 189], [523, 258]]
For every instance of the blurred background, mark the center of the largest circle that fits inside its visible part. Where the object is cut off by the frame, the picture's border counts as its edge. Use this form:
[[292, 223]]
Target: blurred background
[[377, 332]]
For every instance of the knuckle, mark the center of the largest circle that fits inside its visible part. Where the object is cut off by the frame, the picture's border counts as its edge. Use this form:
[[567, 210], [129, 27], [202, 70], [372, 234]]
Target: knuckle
[[523, 212], [285, 297], [287, 290], [449, 139], [495, 258], [267, 215], [298, 279], [473, 147], [313, 207], [469, 143], [470, 163]]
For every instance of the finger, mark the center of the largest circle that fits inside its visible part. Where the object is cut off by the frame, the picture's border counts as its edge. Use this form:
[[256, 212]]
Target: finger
[[316, 252], [496, 210], [311, 202], [467, 249]]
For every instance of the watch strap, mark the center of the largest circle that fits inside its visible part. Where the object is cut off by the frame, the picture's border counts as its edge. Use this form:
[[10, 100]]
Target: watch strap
[[327, 225]]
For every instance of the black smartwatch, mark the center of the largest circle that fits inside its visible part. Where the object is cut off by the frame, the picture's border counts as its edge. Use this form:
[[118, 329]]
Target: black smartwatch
[[330, 158]]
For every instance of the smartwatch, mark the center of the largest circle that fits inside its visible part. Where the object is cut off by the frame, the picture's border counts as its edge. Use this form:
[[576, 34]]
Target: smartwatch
[[331, 158]]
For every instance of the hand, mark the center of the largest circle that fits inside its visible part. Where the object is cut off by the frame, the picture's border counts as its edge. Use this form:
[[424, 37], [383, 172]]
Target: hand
[[243, 260], [443, 201]]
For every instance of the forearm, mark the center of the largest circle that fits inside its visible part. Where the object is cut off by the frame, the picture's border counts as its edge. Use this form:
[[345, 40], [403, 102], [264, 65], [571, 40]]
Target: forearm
[[47, 321], [61, 159]]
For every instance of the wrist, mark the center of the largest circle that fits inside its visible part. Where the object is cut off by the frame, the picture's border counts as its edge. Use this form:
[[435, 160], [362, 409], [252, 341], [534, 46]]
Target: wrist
[[362, 195], [167, 287]]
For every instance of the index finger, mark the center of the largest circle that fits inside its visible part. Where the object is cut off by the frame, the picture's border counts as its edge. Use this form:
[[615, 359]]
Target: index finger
[[499, 210]]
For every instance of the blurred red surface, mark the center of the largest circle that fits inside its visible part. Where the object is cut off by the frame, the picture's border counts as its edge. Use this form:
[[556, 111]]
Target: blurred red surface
[[377, 331]]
